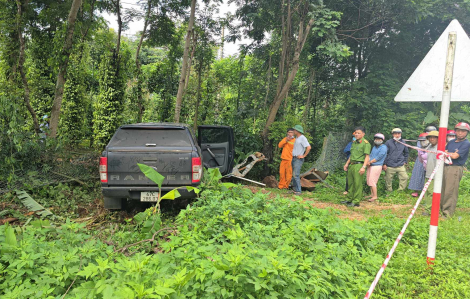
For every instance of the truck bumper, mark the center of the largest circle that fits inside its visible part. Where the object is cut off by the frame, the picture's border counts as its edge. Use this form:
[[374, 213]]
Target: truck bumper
[[134, 192]]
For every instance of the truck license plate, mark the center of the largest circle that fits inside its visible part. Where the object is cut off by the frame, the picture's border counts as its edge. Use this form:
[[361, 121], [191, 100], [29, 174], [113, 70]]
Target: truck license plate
[[149, 196]]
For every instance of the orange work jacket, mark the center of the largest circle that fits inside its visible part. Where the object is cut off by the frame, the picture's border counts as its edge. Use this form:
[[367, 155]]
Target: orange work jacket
[[287, 148]]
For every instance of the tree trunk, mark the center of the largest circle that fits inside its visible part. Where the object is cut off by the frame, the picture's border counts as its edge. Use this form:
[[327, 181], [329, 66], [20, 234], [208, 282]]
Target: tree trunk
[[65, 54], [222, 42], [240, 76], [84, 34], [274, 108], [268, 81], [359, 62], [282, 62], [118, 43], [140, 105], [315, 103], [194, 39], [302, 37], [141, 40], [198, 93], [21, 60], [184, 67], [307, 105]]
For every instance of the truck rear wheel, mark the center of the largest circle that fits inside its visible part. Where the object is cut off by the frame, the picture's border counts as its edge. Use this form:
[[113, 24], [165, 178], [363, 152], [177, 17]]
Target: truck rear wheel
[[113, 203]]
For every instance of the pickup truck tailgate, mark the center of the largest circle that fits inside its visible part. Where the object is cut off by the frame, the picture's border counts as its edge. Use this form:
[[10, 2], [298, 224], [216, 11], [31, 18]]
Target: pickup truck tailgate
[[174, 166], [169, 152]]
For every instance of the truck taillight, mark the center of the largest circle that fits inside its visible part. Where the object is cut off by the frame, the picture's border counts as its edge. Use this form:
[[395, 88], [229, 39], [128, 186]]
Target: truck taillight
[[104, 169], [197, 170]]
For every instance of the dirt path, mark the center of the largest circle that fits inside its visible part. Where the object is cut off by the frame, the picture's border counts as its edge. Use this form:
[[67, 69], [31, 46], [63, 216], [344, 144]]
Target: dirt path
[[363, 212]]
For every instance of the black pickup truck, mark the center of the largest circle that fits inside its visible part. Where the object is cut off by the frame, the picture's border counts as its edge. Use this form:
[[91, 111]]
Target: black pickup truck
[[171, 149]]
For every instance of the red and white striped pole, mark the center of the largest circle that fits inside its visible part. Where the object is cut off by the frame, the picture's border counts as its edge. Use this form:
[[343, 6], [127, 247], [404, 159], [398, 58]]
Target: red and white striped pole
[[441, 146]]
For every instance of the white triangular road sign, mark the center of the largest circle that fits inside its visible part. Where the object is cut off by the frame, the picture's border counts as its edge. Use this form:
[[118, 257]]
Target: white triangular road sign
[[427, 81]]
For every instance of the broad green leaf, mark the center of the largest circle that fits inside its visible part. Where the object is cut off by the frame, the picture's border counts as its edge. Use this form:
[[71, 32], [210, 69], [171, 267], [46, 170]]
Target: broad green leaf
[[140, 217], [218, 274], [214, 174], [196, 190], [171, 194], [10, 237], [229, 185], [163, 291], [152, 174], [430, 118], [32, 205], [40, 223]]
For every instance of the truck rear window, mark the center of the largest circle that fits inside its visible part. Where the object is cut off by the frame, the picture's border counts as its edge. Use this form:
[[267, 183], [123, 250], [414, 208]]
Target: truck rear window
[[141, 137]]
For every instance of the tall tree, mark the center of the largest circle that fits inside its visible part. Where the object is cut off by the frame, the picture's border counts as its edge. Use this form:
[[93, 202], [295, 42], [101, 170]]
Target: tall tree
[[292, 65], [21, 59], [140, 105], [206, 29], [291, 21], [64, 60], [184, 67]]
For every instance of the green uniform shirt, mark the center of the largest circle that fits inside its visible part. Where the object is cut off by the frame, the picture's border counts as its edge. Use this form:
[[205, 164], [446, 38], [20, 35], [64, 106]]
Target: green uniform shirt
[[359, 150]]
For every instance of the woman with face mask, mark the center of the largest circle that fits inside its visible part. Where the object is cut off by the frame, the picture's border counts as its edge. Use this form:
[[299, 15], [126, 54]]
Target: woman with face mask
[[419, 170], [450, 135], [377, 158]]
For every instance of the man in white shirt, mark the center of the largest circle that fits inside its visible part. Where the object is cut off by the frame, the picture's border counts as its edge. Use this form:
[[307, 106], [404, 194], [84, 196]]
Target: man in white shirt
[[300, 151]]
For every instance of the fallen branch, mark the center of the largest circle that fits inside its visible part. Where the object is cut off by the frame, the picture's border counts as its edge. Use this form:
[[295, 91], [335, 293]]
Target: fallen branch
[[69, 177], [8, 220]]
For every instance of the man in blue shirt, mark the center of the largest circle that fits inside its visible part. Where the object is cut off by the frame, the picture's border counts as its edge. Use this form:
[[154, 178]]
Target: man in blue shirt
[[458, 149], [300, 151]]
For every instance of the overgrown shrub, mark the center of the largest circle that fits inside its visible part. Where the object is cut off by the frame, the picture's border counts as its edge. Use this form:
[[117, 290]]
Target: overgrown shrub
[[230, 244], [72, 121]]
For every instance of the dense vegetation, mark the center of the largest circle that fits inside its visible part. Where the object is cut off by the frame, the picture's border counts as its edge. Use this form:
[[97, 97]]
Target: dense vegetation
[[232, 244], [330, 66]]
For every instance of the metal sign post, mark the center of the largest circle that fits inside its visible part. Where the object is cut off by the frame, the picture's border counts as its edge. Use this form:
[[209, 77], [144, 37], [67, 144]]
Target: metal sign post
[[448, 62], [441, 145]]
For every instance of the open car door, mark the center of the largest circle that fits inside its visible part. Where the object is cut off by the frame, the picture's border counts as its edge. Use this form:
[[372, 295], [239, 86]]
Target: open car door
[[217, 145]]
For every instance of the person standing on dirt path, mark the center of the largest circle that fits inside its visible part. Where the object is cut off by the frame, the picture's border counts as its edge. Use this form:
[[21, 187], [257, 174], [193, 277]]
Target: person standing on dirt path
[[347, 152], [376, 161], [458, 150], [285, 170], [431, 163], [356, 167], [397, 157], [419, 169], [300, 151]]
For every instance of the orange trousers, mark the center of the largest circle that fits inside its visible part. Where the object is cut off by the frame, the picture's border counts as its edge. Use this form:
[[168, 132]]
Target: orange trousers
[[285, 174]]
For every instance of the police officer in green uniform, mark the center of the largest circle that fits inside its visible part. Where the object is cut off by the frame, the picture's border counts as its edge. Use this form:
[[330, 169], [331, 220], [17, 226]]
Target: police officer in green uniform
[[356, 167]]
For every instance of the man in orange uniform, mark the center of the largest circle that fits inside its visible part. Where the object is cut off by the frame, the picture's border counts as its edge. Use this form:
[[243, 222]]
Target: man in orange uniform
[[287, 145]]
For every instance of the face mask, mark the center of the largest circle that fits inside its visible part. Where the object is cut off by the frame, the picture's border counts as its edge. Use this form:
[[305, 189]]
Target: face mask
[[450, 138], [424, 143], [396, 138], [378, 142], [354, 138]]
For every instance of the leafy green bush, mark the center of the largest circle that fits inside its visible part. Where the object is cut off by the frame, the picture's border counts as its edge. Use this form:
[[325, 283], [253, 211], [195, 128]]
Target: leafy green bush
[[236, 244], [72, 121], [46, 259]]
